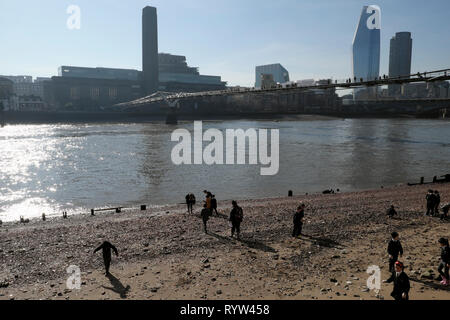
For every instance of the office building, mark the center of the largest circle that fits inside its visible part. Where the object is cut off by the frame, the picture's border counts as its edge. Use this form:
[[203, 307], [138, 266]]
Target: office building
[[366, 45], [400, 57], [279, 73]]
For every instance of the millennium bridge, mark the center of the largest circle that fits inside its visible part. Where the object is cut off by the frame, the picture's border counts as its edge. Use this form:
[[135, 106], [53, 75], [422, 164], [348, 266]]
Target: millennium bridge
[[320, 98]]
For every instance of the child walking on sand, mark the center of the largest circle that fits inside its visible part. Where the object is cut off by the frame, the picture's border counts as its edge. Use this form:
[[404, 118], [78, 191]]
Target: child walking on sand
[[445, 261], [394, 250]]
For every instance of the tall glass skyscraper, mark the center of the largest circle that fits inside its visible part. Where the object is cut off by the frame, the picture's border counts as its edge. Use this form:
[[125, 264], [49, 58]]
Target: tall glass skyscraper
[[400, 58], [366, 44]]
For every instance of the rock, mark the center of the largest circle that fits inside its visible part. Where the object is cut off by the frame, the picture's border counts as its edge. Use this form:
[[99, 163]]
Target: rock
[[154, 290], [219, 291], [205, 261], [427, 275], [365, 290], [333, 280]]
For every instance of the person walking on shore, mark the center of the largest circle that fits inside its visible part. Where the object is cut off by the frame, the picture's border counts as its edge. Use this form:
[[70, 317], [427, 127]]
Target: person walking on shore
[[236, 217], [430, 202], [437, 202], [391, 212], [401, 283], [298, 221], [394, 250], [445, 262], [214, 204], [190, 201], [106, 247], [445, 210], [205, 217]]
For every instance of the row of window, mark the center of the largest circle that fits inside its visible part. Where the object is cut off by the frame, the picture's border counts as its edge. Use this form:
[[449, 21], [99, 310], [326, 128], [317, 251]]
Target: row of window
[[94, 93]]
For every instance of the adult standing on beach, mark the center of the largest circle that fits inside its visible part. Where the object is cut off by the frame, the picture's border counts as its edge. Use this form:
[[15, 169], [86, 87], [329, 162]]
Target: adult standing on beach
[[298, 221], [395, 250], [190, 201], [208, 197], [106, 247], [445, 262], [236, 217], [401, 283], [445, 210], [437, 202], [205, 217], [430, 202], [214, 204]]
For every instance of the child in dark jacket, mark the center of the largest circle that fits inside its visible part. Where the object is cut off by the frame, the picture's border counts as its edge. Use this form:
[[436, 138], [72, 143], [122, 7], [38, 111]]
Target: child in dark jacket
[[401, 283], [395, 250], [445, 261]]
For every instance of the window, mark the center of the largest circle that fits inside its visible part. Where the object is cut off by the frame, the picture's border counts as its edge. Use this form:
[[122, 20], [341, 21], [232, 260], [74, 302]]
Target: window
[[74, 93], [95, 93], [112, 93]]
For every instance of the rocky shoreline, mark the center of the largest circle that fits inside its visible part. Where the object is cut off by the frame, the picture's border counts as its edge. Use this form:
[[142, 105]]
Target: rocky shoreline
[[164, 254]]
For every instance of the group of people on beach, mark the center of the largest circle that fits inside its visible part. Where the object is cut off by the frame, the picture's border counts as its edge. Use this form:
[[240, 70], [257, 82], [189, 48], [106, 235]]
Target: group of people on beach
[[399, 278], [210, 207], [397, 268], [433, 199]]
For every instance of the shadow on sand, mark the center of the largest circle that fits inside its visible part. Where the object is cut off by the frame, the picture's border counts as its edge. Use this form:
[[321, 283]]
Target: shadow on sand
[[117, 286], [323, 242], [430, 284], [249, 243]]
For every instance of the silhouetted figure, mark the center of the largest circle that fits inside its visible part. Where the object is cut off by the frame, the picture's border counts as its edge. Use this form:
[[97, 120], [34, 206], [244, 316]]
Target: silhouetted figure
[[205, 217], [236, 217], [64, 215], [445, 210], [401, 283], [430, 202], [190, 201], [394, 250], [23, 220], [214, 204], [445, 262], [298, 221], [43, 217], [437, 202], [106, 248], [391, 212]]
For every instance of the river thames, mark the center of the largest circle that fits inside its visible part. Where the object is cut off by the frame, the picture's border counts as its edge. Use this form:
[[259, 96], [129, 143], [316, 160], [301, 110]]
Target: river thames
[[76, 167]]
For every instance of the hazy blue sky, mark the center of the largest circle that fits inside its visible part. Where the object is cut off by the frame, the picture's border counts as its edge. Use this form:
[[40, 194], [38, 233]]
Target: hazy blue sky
[[311, 38]]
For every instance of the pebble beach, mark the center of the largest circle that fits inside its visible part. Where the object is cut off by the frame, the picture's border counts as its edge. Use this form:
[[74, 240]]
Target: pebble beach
[[164, 253]]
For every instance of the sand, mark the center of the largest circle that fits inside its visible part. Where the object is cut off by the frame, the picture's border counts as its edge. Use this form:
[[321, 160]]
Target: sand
[[164, 253]]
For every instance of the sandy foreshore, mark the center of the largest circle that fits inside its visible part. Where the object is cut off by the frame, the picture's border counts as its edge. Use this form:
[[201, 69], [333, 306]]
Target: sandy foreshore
[[164, 253]]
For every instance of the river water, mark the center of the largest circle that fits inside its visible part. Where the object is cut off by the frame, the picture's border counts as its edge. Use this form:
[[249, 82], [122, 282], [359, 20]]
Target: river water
[[67, 167]]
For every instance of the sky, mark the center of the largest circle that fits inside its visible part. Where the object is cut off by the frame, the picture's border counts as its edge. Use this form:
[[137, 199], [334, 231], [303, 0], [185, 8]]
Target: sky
[[310, 38]]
